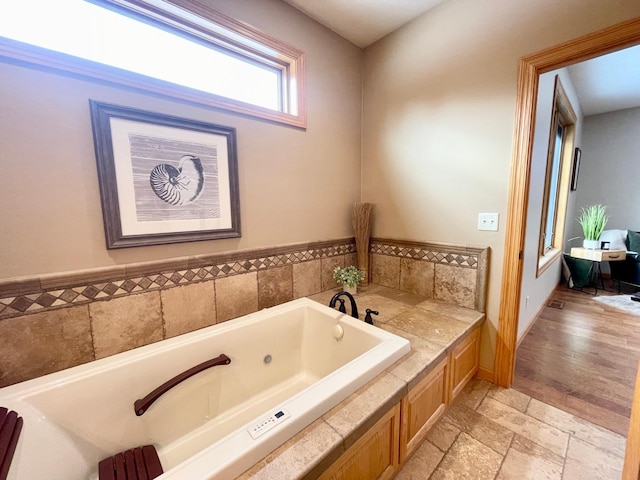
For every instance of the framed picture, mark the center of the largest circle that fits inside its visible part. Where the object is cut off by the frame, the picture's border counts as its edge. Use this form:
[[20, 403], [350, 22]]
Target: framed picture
[[164, 179], [576, 168]]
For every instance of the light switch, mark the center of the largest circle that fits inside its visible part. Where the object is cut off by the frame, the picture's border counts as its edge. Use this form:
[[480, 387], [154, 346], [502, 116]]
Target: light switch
[[488, 221]]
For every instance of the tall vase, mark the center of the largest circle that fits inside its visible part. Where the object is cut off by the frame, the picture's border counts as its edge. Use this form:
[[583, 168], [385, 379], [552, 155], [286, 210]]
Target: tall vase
[[361, 222]]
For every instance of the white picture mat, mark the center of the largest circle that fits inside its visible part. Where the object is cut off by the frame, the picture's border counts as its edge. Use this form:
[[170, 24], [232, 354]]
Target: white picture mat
[[120, 131]]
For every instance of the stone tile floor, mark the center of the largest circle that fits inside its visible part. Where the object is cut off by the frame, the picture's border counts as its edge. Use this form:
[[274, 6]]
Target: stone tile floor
[[493, 433]]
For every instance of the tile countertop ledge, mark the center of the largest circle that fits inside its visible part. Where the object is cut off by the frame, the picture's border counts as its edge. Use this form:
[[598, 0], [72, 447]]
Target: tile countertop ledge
[[434, 329]]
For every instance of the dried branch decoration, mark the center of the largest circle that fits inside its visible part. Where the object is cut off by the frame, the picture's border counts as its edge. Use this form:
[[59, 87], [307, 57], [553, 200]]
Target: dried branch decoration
[[361, 222]]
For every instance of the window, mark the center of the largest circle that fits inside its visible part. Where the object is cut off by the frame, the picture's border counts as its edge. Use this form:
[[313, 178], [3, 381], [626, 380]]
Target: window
[[554, 178], [556, 190], [198, 54]]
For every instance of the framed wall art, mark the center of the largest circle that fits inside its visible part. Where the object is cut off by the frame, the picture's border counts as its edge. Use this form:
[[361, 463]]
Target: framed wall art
[[164, 179], [576, 168]]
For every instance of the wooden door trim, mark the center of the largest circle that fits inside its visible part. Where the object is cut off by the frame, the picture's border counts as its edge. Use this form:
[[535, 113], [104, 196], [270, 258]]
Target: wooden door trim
[[605, 41], [631, 466]]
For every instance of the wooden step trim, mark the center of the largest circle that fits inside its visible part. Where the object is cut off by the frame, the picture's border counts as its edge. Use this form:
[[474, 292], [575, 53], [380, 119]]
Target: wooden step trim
[[10, 428], [140, 463]]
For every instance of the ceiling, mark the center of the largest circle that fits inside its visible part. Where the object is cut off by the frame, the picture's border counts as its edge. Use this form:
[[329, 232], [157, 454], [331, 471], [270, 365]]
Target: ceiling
[[608, 83], [604, 84], [363, 22]]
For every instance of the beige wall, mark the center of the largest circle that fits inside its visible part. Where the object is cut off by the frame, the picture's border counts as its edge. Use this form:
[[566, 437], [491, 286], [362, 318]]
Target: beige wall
[[439, 101], [295, 185]]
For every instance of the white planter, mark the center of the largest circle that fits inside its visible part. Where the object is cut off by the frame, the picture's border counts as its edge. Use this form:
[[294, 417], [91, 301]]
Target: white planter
[[591, 244], [351, 290]]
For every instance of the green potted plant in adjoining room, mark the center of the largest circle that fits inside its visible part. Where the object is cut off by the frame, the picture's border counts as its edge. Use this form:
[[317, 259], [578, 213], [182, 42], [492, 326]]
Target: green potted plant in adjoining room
[[593, 220], [348, 277]]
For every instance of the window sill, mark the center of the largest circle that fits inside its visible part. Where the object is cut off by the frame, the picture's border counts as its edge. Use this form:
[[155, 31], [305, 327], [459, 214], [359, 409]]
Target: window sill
[[546, 260]]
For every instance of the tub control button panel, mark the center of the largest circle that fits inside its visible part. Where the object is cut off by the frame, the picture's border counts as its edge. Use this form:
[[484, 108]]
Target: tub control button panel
[[267, 423]]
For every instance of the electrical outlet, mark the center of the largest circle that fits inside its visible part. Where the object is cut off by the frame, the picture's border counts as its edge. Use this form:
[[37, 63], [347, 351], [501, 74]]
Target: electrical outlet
[[488, 221], [526, 302]]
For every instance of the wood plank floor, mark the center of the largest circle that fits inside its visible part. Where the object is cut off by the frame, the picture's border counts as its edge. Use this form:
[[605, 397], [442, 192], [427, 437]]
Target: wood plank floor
[[582, 359]]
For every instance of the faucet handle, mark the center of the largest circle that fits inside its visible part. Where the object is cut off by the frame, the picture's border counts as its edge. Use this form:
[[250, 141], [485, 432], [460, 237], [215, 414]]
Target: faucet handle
[[367, 317], [342, 308]]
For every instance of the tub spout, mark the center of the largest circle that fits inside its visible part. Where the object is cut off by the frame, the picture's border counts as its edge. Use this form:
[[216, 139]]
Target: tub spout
[[142, 404], [336, 298]]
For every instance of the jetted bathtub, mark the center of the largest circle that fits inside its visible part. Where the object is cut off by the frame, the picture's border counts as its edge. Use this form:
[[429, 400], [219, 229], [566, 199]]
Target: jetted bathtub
[[289, 365]]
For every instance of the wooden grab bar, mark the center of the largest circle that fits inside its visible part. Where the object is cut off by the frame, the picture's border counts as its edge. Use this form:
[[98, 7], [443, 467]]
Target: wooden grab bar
[[142, 404]]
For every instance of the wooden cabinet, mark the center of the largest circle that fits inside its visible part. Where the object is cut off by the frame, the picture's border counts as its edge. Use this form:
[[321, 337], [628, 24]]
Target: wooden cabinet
[[379, 453], [422, 407], [425, 403], [374, 455], [464, 363]]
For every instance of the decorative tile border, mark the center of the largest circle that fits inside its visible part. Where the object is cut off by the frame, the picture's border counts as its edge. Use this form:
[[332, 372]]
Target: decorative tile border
[[29, 295], [434, 253], [36, 294]]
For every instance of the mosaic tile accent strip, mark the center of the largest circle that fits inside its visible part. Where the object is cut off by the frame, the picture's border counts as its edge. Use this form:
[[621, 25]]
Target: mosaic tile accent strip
[[81, 294], [427, 253]]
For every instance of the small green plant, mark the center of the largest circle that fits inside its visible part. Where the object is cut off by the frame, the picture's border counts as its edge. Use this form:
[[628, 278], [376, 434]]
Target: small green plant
[[593, 221], [349, 276]]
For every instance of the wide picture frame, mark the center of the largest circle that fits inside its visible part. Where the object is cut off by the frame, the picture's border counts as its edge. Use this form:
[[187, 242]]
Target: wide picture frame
[[164, 179]]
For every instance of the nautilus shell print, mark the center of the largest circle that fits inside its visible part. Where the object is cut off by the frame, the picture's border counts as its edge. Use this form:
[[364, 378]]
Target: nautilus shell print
[[178, 186]]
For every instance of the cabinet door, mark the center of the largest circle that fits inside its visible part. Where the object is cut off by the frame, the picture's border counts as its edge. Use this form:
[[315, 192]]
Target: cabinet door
[[374, 456], [464, 362], [422, 407]]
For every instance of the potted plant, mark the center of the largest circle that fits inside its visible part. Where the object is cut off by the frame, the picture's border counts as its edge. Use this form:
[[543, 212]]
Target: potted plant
[[593, 221], [349, 277]]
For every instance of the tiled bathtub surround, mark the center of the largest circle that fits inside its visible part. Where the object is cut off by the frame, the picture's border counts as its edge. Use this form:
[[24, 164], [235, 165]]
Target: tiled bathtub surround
[[53, 322], [102, 312], [454, 274]]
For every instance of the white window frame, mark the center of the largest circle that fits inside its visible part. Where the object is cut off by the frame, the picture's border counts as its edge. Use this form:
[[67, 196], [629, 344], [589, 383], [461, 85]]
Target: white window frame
[[190, 19]]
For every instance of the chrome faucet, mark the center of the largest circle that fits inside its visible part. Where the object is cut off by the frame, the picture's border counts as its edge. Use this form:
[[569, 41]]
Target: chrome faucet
[[336, 298]]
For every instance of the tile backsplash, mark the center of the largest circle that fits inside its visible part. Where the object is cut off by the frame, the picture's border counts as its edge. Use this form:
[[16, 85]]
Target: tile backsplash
[[52, 322], [451, 273]]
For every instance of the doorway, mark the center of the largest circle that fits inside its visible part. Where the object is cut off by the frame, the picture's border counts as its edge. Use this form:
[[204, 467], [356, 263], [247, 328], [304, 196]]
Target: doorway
[[593, 45]]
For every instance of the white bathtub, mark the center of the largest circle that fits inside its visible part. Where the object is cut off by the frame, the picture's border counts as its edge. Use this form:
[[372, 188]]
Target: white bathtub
[[74, 418]]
